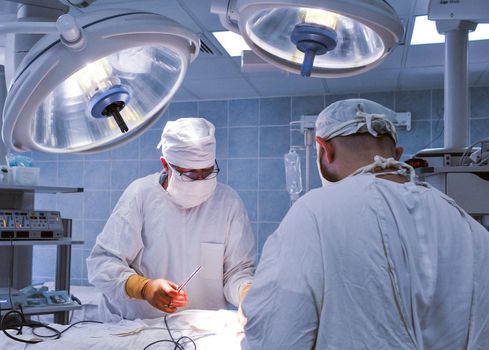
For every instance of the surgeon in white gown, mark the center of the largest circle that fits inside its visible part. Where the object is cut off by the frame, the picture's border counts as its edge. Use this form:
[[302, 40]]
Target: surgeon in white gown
[[167, 225], [373, 259]]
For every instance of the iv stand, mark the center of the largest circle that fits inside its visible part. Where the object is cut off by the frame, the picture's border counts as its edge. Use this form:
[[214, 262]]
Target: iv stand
[[308, 142]]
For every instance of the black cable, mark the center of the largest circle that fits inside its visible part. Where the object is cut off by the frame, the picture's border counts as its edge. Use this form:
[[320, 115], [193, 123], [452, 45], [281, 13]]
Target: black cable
[[78, 301], [168, 328], [20, 320], [59, 333], [74, 324], [179, 343], [163, 341], [11, 274]]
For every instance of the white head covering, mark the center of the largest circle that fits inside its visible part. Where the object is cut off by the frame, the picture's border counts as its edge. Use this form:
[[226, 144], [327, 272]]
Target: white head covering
[[189, 143], [348, 117]]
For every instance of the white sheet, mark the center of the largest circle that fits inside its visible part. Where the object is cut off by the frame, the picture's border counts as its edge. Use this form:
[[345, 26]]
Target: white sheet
[[211, 330]]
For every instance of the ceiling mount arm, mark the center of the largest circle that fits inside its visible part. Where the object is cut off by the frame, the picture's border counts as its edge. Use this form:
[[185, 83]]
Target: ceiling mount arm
[[70, 33], [28, 27], [228, 16], [77, 3]]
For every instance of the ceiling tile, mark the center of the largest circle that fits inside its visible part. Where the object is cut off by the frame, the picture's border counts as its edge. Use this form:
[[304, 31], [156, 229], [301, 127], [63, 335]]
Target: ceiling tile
[[402, 7], [433, 77], [478, 51], [421, 78], [169, 8], [421, 7], [202, 11], [434, 54], [284, 85], [375, 80], [394, 59], [213, 68], [267, 69], [425, 55], [220, 88]]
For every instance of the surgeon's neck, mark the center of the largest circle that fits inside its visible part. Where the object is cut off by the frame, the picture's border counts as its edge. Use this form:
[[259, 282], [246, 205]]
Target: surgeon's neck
[[345, 155]]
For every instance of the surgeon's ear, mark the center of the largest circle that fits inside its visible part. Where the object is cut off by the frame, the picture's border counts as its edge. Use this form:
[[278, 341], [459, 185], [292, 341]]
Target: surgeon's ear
[[399, 152], [328, 148], [165, 164]]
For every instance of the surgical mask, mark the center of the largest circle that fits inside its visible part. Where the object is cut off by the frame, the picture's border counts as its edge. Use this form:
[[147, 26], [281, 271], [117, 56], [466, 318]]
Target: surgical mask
[[324, 182], [189, 194]]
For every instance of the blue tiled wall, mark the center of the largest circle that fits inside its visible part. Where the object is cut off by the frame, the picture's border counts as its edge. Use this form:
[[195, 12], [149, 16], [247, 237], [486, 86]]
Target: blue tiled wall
[[252, 136]]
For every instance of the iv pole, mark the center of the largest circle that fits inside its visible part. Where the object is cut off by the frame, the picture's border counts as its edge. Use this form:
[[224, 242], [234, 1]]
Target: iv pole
[[308, 142]]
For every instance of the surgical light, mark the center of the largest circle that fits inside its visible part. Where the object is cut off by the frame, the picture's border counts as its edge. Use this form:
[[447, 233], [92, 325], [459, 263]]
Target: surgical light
[[99, 79], [334, 38]]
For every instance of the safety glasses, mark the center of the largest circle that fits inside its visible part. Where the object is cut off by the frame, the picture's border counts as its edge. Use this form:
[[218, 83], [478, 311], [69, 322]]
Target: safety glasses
[[197, 174]]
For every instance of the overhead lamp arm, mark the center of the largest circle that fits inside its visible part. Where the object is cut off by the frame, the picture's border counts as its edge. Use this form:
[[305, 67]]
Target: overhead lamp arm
[[48, 4], [56, 4], [28, 27], [70, 32], [228, 16], [77, 3]]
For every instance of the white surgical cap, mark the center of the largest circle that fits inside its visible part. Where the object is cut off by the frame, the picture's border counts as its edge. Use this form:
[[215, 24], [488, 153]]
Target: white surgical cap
[[189, 143], [353, 116]]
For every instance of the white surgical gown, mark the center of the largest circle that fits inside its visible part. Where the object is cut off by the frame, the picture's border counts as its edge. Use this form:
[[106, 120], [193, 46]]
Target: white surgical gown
[[368, 263], [149, 235]]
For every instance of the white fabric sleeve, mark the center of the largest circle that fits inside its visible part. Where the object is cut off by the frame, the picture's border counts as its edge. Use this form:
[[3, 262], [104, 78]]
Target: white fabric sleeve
[[117, 247], [239, 254], [285, 302]]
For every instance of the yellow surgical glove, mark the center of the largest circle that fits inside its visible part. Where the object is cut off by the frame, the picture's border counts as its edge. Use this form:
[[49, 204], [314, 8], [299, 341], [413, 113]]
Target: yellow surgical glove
[[244, 291], [162, 294], [135, 285]]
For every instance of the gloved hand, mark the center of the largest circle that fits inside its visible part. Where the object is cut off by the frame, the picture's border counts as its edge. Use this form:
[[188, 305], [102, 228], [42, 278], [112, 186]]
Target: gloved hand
[[162, 294]]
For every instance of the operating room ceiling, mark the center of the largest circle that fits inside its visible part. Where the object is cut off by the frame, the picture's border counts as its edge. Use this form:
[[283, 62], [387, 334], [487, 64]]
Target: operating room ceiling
[[218, 76]]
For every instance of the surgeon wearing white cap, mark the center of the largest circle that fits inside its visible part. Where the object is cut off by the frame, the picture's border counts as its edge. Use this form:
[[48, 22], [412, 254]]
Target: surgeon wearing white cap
[[165, 226], [372, 260]]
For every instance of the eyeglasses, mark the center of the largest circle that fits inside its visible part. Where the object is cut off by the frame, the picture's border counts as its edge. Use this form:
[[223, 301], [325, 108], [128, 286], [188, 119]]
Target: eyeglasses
[[197, 174]]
